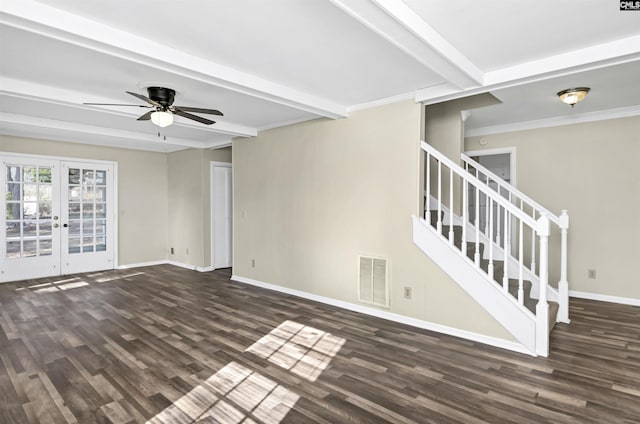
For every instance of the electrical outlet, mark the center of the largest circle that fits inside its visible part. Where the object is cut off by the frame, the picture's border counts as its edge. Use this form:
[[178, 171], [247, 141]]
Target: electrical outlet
[[172, 250], [407, 292], [591, 274], [253, 263]]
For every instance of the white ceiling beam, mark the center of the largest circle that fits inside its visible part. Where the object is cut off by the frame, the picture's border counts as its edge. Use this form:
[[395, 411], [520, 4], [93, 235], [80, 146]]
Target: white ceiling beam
[[53, 95], [394, 21], [29, 126], [598, 56], [55, 23]]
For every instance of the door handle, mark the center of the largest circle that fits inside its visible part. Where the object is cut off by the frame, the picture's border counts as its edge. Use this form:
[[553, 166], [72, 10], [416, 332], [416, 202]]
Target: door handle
[[65, 225]]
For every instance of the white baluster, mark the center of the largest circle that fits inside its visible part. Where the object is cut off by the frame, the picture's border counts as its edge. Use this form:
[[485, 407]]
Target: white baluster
[[465, 214], [428, 201], [439, 226], [476, 257], [533, 246], [520, 265], [542, 308], [563, 284], [498, 240], [490, 268], [486, 212], [505, 276], [451, 206]]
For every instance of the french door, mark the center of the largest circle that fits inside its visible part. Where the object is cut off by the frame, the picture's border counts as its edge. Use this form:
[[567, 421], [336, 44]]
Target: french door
[[58, 217]]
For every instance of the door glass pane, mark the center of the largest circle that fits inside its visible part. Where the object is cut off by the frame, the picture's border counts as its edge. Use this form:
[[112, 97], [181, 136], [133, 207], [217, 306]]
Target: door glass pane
[[101, 227], [87, 176], [101, 177], [44, 175], [45, 228], [74, 193], [100, 194], [30, 248], [101, 244], [13, 191], [29, 210], [13, 249], [87, 244], [30, 229], [44, 192], [13, 229], [30, 192], [44, 210], [74, 176], [13, 173], [74, 210], [87, 210], [74, 245], [87, 227], [101, 210], [87, 193], [13, 211], [29, 174], [74, 228], [46, 247]]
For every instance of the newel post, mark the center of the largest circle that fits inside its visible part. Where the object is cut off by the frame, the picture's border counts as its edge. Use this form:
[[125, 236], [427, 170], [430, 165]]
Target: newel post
[[563, 284], [542, 308]]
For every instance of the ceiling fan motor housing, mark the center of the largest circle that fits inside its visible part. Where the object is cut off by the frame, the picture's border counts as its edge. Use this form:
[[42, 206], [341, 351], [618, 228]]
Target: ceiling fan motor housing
[[161, 95]]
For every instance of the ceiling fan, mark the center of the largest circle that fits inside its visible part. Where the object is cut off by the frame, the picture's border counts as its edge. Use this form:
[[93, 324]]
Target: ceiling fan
[[161, 100]]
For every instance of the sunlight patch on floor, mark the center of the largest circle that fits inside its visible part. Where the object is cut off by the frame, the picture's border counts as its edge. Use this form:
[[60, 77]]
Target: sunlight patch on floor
[[303, 350], [235, 394]]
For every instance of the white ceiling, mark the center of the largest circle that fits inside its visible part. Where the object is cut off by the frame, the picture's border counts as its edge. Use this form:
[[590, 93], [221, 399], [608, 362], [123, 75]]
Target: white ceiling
[[271, 63]]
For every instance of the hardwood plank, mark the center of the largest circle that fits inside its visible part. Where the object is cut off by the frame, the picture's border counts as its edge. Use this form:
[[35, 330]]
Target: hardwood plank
[[135, 345]]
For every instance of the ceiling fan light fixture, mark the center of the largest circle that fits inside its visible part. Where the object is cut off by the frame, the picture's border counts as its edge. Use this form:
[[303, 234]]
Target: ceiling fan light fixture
[[162, 118], [571, 96]]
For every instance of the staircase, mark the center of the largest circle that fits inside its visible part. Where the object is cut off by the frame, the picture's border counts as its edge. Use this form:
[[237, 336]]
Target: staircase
[[479, 230]]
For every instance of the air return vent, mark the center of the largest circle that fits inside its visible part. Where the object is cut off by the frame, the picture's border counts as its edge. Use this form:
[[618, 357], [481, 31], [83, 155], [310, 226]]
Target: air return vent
[[372, 280]]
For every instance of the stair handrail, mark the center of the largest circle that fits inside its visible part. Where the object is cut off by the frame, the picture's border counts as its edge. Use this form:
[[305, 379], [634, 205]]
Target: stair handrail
[[511, 189], [479, 184], [561, 221]]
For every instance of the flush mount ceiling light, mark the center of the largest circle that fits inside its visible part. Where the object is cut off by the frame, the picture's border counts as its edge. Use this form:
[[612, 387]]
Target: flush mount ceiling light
[[571, 96], [162, 118]]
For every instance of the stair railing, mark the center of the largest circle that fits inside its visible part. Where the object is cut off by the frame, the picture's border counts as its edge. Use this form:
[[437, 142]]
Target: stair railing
[[535, 210], [442, 177]]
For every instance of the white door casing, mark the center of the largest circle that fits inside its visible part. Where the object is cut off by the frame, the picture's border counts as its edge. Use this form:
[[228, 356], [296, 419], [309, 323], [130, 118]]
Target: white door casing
[[221, 215]]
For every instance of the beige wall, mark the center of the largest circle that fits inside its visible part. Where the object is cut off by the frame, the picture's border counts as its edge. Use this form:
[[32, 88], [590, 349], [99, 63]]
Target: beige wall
[[309, 198], [590, 169], [189, 229], [142, 192], [444, 130]]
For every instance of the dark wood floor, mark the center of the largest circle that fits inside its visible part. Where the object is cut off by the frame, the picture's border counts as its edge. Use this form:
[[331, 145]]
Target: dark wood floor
[[171, 345]]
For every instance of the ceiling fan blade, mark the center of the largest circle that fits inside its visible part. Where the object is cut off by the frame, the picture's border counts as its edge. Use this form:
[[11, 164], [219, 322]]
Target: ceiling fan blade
[[146, 116], [193, 117], [199, 110], [145, 98], [113, 104]]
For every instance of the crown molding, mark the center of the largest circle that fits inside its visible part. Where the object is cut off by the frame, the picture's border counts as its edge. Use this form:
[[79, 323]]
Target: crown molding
[[382, 102], [602, 115]]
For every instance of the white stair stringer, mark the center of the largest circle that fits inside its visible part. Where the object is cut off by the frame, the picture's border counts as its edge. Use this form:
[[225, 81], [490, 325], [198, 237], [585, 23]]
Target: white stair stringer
[[515, 318]]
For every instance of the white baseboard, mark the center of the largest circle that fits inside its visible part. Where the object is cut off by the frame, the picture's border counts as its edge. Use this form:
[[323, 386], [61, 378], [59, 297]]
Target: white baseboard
[[605, 298], [168, 262], [426, 325], [141, 264]]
